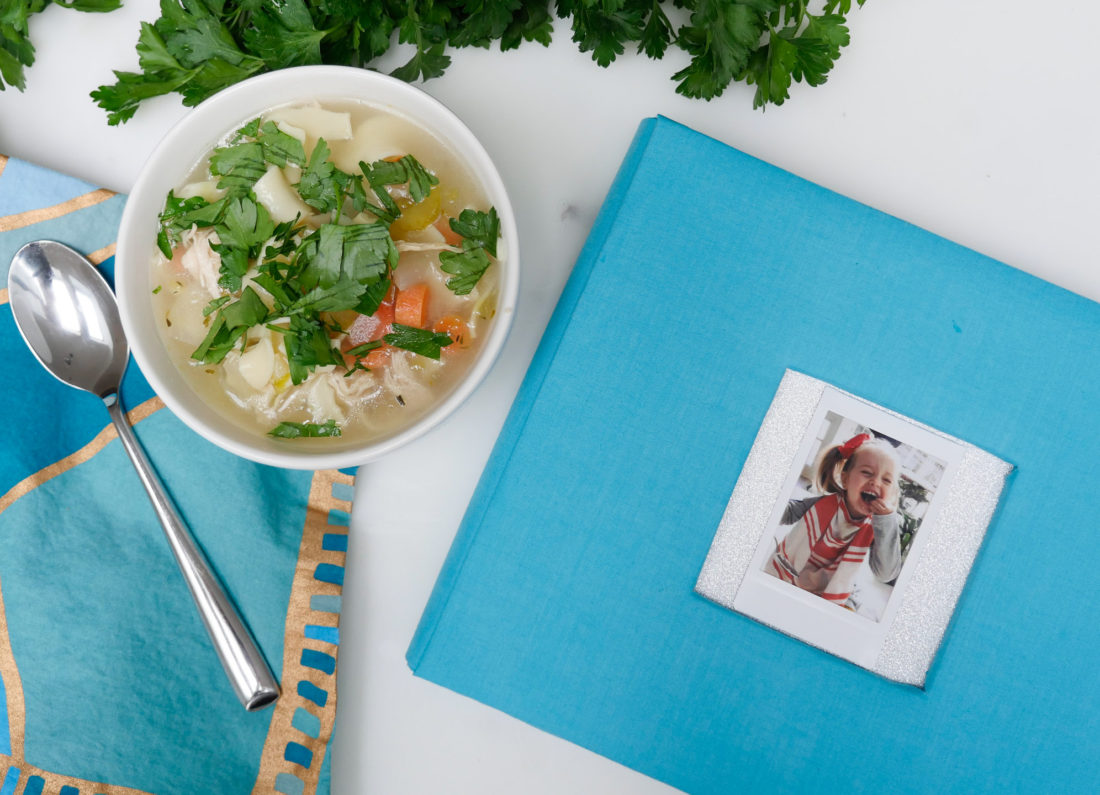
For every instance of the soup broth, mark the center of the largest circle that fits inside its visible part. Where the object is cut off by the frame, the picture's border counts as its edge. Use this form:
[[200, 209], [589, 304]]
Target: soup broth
[[328, 270]]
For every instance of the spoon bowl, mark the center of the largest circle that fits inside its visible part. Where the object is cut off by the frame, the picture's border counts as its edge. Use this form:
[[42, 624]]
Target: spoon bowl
[[68, 316], [66, 312]]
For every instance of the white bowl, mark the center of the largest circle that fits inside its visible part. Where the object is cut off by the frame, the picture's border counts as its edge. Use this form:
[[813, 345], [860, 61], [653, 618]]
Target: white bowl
[[174, 158]]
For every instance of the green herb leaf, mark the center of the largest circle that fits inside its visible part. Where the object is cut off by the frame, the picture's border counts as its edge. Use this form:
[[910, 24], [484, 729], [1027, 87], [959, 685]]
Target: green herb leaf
[[373, 297], [362, 350], [419, 179], [479, 228], [244, 227], [299, 430], [308, 346], [280, 148], [229, 325], [239, 166], [285, 32], [361, 252], [418, 340], [216, 304], [342, 294], [467, 268], [179, 215]]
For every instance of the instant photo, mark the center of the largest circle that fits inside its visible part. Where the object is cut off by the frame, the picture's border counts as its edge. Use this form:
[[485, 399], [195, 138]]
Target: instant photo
[[853, 528]]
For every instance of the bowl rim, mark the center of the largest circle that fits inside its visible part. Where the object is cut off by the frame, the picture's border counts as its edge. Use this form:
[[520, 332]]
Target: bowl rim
[[197, 131]]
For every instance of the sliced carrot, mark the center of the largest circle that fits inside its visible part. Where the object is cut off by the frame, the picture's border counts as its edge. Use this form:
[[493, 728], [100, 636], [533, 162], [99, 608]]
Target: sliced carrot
[[411, 306], [379, 357], [450, 236], [455, 328]]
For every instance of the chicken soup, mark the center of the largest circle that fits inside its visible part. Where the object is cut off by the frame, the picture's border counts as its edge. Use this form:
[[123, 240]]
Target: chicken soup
[[330, 269]]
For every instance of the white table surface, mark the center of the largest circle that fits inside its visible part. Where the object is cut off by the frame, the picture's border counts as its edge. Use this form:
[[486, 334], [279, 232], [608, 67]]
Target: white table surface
[[978, 121]]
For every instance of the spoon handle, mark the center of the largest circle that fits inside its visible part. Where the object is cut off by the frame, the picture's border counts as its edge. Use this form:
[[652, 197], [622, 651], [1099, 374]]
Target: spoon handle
[[245, 666]]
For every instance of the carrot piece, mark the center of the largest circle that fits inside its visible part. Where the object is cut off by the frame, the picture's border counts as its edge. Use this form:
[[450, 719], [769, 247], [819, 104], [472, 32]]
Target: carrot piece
[[455, 328], [368, 328], [450, 236], [378, 357], [411, 306]]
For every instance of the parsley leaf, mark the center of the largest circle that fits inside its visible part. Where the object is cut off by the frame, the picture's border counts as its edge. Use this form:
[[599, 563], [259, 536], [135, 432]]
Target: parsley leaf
[[603, 28], [419, 178], [229, 325], [298, 430], [239, 166], [325, 188], [428, 33], [483, 229], [467, 268], [179, 215], [285, 32], [720, 38], [244, 228], [308, 346], [418, 340], [343, 294], [279, 148], [361, 252]]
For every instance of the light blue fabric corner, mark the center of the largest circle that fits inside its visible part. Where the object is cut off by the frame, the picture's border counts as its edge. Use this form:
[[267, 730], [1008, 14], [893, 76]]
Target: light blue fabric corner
[[25, 186]]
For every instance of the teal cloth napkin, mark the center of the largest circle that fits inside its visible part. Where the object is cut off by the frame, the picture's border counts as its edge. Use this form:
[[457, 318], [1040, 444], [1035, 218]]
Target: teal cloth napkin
[[108, 681]]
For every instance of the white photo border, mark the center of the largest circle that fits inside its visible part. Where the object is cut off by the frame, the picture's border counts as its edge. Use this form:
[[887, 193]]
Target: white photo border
[[902, 644]]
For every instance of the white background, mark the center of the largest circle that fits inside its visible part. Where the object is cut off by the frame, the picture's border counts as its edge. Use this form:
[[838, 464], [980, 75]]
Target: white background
[[975, 120]]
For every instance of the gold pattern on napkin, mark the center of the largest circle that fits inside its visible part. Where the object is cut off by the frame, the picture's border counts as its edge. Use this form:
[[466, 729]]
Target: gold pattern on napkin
[[9, 671], [100, 441], [19, 220], [300, 613]]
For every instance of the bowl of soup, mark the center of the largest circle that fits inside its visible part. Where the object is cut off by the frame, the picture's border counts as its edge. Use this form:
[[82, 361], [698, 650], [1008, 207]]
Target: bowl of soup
[[316, 266]]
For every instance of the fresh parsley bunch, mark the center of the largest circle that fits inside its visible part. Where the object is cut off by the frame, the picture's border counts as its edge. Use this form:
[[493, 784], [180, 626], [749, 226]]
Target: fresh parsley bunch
[[198, 47]]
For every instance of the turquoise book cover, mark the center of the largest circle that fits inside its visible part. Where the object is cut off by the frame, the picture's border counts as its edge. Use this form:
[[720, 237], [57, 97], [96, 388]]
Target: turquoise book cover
[[568, 599]]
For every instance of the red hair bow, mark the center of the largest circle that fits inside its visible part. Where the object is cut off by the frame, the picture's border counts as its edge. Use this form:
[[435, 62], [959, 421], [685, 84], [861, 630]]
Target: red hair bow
[[853, 444]]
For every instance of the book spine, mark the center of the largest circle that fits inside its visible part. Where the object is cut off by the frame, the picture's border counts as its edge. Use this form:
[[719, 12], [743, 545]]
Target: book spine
[[529, 389]]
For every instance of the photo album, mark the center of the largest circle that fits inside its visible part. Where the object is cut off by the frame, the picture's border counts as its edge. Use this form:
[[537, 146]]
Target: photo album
[[784, 467]]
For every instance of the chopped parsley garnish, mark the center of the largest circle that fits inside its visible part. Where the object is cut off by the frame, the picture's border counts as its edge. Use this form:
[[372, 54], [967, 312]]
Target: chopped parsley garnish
[[418, 340], [308, 274], [479, 228], [467, 267], [360, 351], [229, 325], [216, 304], [299, 430], [479, 231]]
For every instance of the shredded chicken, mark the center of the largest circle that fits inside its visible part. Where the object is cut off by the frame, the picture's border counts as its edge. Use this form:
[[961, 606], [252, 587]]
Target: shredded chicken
[[200, 261]]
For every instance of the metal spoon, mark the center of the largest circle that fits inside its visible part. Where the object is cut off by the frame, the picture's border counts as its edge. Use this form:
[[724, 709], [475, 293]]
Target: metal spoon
[[67, 314]]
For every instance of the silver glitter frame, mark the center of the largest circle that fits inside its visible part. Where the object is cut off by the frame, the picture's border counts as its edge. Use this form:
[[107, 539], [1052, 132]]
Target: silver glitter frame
[[902, 644]]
